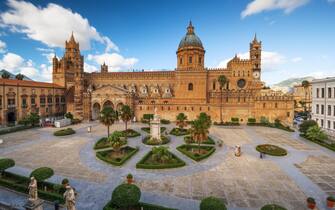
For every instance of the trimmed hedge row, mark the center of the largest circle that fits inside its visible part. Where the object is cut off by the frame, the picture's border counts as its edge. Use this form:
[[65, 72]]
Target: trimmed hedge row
[[165, 140], [227, 123], [193, 156], [271, 125], [15, 129], [270, 149], [273, 207], [179, 132], [165, 122], [146, 206], [320, 142], [142, 164], [100, 144], [21, 185], [101, 156], [130, 133], [147, 129], [64, 132], [189, 140]]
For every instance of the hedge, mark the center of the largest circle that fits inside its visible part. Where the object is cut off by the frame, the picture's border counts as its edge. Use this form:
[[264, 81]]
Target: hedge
[[64, 132], [164, 121], [165, 140], [147, 129], [193, 156], [142, 164], [179, 132], [101, 156], [271, 125], [146, 206], [148, 116], [42, 173], [6, 163], [321, 143], [211, 203], [99, 144], [130, 133], [21, 185], [189, 140], [273, 207], [227, 123], [15, 129], [270, 149], [126, 195]]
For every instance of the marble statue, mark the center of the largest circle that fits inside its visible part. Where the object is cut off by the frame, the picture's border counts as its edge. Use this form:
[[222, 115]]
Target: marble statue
[[32, 189], [70, 198], [237, 151]]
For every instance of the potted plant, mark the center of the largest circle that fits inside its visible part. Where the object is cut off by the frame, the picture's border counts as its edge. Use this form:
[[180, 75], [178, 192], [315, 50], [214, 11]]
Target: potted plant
[[311, 203], [330, 201], [129, 178]]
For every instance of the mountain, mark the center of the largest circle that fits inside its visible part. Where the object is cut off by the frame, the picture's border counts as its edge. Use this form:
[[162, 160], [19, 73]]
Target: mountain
[[12, 76], [287, 85]]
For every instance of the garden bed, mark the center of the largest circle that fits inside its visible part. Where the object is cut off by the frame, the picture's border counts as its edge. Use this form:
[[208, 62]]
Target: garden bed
[[271, 125], [147, 162], [179, 131], [20, 183], [102, 143], [192, 151], [270, 149], [64, 132], [146, 140], [145, 206], [323, 143], [130, 133], [189, 140], [147, 129], [111, 157], [15, 129]]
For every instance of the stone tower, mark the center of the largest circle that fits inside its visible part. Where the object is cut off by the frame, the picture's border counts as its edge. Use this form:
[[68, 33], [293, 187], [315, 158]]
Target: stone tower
[[69, 73], [190, 53], [104, 68], [255, 56]]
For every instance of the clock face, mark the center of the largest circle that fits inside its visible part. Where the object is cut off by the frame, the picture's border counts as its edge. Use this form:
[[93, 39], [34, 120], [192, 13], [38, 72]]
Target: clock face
[[256, 74]]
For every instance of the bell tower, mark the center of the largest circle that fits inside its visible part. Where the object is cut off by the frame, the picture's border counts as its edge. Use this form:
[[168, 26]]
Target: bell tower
[[256, 56]]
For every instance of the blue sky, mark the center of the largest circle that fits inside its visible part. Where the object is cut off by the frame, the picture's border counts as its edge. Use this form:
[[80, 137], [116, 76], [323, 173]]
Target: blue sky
[[297, 35]]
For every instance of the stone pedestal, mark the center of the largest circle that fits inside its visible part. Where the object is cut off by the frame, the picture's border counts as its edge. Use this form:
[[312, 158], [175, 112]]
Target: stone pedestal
[[34, 205], [155, 127]]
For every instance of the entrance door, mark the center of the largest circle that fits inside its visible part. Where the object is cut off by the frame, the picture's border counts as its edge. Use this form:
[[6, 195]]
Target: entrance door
[[11, 118]]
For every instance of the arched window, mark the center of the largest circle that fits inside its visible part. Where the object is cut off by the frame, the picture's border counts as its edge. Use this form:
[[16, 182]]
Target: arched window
[[214, 83], [190, 86], [180, 60], [190, 59], [200, 60]]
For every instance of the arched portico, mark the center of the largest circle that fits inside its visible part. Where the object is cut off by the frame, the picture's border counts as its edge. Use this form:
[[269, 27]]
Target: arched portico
[[96, 111], [108, 103]]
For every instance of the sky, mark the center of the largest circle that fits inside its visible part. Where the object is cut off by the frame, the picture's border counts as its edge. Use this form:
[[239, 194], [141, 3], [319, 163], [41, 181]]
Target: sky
[[297, 35]]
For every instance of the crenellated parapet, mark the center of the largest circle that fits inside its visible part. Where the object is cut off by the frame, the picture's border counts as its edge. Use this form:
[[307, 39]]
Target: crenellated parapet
[[133, 75]]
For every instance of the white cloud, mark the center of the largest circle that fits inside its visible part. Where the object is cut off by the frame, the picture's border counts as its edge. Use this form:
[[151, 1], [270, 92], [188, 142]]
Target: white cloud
[[11, 62], [296, 59], [258, 6], [114, 61], [270, 60], [51, 25], [89, 68], [45, 73], [2, 47]]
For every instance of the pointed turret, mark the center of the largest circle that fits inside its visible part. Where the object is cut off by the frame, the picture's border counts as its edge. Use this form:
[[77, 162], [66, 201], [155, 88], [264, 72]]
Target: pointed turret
[[72, 38], [190, 28]]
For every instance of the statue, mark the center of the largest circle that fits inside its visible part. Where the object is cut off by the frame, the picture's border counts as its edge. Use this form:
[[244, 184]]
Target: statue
[[237, 151], [70, 198], [32, 189]]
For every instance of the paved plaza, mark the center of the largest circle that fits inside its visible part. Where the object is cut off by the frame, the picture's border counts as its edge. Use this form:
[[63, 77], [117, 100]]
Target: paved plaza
[[245, 182]]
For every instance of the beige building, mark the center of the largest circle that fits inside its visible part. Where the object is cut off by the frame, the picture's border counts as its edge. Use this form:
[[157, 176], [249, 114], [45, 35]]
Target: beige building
[[21, 97], [302, 98], [190, 88]]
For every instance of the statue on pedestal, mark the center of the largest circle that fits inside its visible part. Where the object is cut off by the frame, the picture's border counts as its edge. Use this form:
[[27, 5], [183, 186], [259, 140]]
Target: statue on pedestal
[[70, 198], [32, 189], [237, 151]]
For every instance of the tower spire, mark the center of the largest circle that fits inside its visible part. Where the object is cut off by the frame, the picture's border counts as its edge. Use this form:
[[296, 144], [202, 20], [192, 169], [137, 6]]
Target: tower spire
[[72, 38], [190, 28]]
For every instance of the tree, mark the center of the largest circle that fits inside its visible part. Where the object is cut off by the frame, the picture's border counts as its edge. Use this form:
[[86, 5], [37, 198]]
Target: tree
[[303, 127], [200, 128], [305, 84], [42, 173], [126, 115], [161, 154], [19, 77], [33, 119], [107, 117], [117, 141], [181, 120], [316, 133], [126, 196], [222, 81], [6, 163], [69, 115], [5, 75]]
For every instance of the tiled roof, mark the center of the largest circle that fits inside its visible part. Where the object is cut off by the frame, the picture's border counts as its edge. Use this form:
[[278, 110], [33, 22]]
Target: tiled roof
[[26, 83]]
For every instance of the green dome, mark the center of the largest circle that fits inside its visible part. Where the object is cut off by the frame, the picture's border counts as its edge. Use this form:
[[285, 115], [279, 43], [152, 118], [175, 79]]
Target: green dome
[[190, 39]]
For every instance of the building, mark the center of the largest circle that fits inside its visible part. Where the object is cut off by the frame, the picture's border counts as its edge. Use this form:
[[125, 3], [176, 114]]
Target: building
[[323, 103], [302, 98], [190, 88], [21, 97]]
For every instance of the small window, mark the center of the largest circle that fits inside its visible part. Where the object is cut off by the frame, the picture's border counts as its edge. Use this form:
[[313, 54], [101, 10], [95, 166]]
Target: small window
[[190, 86], [321, 123], [200, 60], [322, 92], [329, 92], [214, 83], [276, 105], [185, 108], [328, 124], [317, 108], [180, 60], [322, 109], [317, 92], [190, 59], [288, 114], [264, 105]]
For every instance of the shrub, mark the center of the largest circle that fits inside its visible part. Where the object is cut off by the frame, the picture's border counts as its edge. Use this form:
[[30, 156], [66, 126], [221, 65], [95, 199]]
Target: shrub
[[251, 120], [75, 121], [148, 116], [69, 115], [235, 119], [42, 173], [126, 195], [179, 131], [195, 156], [211, 203], [271, 150], [273, 207], [65, 181], [6, 163], [151, 141], [264, 120], [316, 133], [129, 176], [311, 200], [130, 133], [164, 121], [303, 127], [331, 198], [64, 132]]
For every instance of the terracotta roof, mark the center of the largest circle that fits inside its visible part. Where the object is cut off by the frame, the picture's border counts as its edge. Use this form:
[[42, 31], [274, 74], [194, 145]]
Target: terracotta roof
[[26, 83]]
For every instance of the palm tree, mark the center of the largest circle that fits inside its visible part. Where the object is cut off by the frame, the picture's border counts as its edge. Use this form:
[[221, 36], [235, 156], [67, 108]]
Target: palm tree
[[181, 120], [126, 115], [222, 81], [117, 141], [5, 75], [161, 154], [305, 84], [19, 76], [316, 133], [200, 128], [107, 117]]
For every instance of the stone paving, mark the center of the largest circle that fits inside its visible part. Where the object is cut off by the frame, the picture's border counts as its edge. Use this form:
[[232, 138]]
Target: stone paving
[[246, 182]]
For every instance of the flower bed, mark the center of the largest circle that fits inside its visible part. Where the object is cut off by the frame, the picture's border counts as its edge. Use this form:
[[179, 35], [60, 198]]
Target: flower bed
[[179, 131], [147, 129], [273, 207], [147, 141], [191, 151], [130, 133], [145, 206], [271, 150], [147, 162], [189, 140], [109, 156], [20, 183], [64, 132]]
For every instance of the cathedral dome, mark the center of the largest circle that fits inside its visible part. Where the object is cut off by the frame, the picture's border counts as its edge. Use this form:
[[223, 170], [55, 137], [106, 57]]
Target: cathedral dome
[[190, 39]]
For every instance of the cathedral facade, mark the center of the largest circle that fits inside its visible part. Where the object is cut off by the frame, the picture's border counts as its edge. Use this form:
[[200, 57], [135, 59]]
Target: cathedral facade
[[191, 88]]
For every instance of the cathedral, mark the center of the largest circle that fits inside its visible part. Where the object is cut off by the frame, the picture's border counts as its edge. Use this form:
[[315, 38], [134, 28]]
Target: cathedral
[[191, 88]]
